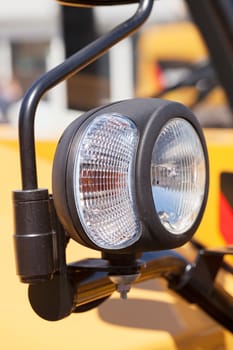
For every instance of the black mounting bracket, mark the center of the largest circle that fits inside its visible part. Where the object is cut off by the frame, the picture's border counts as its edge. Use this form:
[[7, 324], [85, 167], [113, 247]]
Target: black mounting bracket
[[198, 285]]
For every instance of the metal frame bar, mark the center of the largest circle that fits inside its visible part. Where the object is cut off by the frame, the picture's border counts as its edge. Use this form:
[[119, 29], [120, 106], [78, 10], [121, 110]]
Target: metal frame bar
[[194, 282], [65, 70], [96, 284], [212, 18], [87, 284], [198, 285]]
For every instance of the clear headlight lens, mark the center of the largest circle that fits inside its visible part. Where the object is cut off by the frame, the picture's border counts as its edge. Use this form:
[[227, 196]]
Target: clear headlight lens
[[178, 175], [104, 183]]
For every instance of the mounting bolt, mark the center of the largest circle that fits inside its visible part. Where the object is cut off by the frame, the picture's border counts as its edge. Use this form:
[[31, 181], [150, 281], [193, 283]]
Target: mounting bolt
[[123, 283]]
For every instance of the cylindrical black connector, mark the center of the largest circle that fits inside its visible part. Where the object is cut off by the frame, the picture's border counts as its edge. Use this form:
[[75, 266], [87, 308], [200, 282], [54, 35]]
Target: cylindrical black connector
[[34, 237]]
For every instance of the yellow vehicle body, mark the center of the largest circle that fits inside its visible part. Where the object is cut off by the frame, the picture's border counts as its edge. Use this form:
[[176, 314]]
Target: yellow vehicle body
[[175, 42], [151, 318]]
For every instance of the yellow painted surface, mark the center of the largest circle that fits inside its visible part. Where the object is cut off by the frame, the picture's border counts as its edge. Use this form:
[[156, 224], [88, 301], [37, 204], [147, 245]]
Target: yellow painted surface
[[179, 41], [170, 41], [151, 318], [220, 148]]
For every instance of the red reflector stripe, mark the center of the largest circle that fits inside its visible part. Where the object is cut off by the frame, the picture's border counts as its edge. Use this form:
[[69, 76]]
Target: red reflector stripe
[[159, 76], [226, 219]]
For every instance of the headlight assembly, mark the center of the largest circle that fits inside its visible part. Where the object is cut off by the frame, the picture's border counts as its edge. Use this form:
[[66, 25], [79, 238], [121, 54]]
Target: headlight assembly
[[132, 176]]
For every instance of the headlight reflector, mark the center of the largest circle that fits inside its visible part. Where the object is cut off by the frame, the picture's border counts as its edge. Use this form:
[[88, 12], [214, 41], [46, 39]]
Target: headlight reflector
[[178, 175]]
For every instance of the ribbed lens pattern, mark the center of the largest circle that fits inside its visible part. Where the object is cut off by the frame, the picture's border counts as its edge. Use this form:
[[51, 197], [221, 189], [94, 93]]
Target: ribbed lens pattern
[[103, 182], [178, 175]]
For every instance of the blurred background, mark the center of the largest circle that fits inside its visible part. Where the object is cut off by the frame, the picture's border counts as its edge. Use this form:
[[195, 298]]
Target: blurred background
[[35, 36]]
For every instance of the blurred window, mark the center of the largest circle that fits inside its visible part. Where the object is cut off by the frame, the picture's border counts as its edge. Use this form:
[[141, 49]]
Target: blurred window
[[90, 87], [29, 61]]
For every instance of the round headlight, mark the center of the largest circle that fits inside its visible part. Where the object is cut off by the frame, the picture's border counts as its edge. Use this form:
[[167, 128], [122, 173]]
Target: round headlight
[[178, 175], [132, 176], [103, 180]]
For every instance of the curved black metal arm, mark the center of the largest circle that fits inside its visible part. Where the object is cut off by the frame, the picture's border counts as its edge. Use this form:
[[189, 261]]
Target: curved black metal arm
[[71, 66]]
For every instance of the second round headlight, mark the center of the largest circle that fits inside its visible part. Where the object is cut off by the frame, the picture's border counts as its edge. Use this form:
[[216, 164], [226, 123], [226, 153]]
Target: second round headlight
[[178, 175]]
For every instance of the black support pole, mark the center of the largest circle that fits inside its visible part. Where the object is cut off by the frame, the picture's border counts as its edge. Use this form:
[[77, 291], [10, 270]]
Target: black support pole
[[65, 70], [214, 20]]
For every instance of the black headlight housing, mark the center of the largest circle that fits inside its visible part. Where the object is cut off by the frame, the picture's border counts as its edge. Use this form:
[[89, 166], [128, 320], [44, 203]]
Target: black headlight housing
[[82, 187]]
